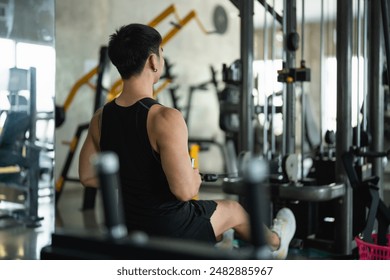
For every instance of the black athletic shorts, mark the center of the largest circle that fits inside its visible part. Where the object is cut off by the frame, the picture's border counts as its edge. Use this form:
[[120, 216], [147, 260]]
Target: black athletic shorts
[[187, 220], [200, 228]]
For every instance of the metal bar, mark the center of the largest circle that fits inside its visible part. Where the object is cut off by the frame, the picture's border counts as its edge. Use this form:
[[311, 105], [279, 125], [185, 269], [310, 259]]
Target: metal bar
[[303, 101], [376, 94], [191, 15], [189, 104], [358, 50], [254, 174], [385, 20], [107, 168], [246, 102], [115, 89], [273, 140], [82, 81], [303, 128], [171, 9], [33, 155], [289, 88], [265, 53], [312, 193], [303, 31], [103, 67], [64, 173], [365, 67], [163, 86], [343, 231], [272, 11], [235, 3], [33, 105], [322, 84]]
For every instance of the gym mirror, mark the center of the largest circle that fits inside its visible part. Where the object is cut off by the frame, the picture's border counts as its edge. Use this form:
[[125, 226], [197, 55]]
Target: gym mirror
[[27, 86]]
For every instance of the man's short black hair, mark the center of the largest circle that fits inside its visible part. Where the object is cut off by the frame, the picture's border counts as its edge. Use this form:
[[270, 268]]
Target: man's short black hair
[[130, 46]]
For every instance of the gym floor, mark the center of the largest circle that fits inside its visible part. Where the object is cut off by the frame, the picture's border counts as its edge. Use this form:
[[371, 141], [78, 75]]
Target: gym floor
[[21, 242]]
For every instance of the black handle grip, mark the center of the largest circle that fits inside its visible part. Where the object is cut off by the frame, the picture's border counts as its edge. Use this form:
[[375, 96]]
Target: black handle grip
[[107, 167]]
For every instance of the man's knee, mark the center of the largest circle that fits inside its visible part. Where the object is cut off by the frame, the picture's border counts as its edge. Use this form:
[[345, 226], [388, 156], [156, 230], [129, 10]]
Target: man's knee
[[235, 206], [233, 211]]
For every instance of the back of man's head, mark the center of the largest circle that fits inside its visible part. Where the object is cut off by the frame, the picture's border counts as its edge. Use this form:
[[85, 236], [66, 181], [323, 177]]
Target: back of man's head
[[130, 46]]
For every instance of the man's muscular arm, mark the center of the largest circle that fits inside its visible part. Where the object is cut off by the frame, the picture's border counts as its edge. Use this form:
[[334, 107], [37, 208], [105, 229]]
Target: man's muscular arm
[[89, 149], [169, 130]]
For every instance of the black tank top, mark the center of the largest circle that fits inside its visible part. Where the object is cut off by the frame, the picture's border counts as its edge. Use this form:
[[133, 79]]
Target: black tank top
[[148, 202]]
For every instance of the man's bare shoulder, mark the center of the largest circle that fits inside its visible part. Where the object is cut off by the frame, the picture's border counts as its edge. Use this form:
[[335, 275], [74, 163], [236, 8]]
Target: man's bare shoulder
[[166, 113], [165, 120]]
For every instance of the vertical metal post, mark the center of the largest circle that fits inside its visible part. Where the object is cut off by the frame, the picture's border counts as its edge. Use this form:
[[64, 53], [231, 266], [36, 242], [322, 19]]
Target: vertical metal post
[[265, 51], [375, 91], [358, 51], [386, 28], [303, 99], [290, 26], [33, 105], [246, 136], [103, 68], [33, 156], [273, 112], [322, 75], [365, 67], [343, 234]]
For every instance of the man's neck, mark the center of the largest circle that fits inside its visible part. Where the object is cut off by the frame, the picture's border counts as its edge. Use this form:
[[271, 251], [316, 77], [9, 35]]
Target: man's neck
[[135, 89]]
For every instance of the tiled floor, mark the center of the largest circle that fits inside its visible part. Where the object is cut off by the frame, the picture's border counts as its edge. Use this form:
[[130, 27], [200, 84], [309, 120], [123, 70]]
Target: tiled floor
[[20, 242]]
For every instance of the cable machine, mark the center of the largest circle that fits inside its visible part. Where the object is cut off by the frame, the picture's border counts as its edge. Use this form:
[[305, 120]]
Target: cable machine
[[287, 188]]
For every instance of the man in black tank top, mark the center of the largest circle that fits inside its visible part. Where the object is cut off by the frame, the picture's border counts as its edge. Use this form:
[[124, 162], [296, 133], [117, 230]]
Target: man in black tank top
[[151, 141]]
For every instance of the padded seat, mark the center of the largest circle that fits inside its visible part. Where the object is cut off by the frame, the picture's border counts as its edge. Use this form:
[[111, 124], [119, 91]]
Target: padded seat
[[12, 140]]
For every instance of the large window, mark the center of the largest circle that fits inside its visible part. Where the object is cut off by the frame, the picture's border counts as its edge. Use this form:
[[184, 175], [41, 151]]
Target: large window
[[268, 88], [329, 99], [26, 55], [43, 59], [267, 85]]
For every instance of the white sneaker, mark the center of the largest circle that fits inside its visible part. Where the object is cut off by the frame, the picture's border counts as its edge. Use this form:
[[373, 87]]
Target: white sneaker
[[284, 226]]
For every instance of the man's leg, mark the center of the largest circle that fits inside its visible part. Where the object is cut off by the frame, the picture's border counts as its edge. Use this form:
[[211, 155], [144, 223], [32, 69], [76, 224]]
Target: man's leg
[[230, 214]]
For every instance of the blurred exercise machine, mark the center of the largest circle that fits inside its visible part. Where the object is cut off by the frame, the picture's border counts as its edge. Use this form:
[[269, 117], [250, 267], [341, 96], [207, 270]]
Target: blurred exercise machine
[[19, 153]]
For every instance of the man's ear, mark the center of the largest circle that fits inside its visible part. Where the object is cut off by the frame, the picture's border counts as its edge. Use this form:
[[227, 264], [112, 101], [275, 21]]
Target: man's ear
[[153, 62]]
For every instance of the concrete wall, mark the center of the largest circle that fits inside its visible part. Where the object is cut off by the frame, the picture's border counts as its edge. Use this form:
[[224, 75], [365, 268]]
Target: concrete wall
[[83, 26]]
